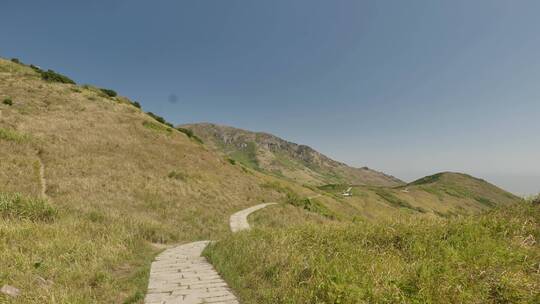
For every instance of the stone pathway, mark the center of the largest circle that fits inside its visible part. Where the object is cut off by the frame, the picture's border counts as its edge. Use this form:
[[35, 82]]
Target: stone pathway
[[238, 221], [180, 275]]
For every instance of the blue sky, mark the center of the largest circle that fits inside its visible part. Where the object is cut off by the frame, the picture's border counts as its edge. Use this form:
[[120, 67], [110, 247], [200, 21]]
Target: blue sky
[[406, 87]]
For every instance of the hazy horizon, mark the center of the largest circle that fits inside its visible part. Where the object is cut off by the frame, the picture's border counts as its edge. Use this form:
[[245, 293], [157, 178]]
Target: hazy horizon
[[408, 88]]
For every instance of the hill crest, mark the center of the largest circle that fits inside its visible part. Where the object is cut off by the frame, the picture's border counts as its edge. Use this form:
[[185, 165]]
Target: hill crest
[[298, 162]]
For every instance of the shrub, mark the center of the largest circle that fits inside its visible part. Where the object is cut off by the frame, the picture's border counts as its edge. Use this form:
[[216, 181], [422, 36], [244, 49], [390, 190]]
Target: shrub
[[36, 68], [160, 119], [156, 127], [190, 134], [8, 101], [52, 76], [16, 206], [16, 60], [308, 204], [177, 175], [136, 104], [396, 201], [109, 92], [231, 161]]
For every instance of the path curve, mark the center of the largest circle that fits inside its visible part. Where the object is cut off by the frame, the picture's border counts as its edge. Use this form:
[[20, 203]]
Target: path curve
[[181, 275], [239, 222]]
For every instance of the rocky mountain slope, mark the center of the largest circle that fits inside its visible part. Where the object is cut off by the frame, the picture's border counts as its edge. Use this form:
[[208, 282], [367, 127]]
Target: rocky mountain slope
[[271, 154]]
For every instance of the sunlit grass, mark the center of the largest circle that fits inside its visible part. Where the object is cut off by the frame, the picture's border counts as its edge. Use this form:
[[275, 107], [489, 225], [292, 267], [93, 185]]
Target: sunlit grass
[[491, 258]]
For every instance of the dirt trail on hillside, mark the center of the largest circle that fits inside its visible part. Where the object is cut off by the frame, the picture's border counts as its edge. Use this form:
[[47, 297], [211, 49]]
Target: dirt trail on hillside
[[42, 180]]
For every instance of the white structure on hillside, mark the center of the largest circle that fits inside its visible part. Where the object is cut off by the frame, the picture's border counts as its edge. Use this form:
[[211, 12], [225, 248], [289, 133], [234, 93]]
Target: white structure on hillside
[[347, 192]]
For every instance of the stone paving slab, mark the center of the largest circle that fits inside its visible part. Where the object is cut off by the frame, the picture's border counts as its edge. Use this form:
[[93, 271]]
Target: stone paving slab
[[180, 275], [238, 221]]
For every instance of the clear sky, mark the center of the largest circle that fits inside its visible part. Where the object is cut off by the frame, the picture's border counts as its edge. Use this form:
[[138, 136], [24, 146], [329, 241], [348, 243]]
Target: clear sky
[[406, 87]]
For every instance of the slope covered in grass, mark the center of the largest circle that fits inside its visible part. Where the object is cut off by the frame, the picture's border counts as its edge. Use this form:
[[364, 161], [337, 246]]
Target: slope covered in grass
[[273, 155], [488, 258], [442, 194], [121, 182]]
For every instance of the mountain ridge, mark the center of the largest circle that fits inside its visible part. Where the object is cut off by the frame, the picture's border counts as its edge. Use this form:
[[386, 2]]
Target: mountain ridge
[[284, 158]]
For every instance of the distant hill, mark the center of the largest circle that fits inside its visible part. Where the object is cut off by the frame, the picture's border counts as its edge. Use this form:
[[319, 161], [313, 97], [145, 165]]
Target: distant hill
[[443, 194], [271, 154]]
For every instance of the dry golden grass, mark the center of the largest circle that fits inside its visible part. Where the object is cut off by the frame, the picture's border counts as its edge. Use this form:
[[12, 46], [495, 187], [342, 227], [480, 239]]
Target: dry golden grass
[[108, 175], [122, 185]]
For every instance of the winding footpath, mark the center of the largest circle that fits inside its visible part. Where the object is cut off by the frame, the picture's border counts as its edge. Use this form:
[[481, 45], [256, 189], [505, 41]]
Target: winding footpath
[[181, 275]]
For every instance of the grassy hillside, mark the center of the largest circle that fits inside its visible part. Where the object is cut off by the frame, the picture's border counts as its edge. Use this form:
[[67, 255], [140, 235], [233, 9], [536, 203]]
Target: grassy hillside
[[443, 194], [120, 185], [92, 188], [273, 155], [488, 258]]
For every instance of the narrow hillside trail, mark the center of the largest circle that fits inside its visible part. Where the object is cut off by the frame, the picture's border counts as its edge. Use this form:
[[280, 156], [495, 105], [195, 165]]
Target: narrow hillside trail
[[181, 275], [42, 180], [239, 222]]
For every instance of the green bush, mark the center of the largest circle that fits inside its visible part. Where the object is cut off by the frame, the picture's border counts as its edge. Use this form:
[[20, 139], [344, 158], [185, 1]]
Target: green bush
[[109, 92], [35, 68], [189, 134], [156, 127], [15, 206], [308, 204], [231, 161], [177, 175], [396, 201], [8, 101], [136, 104], [16, 60], [160, 119], [52, 76]]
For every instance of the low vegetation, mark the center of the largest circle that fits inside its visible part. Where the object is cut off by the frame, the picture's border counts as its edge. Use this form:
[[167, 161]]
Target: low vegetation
[[8, 101], [11, 135], [189, 134], [113, 204], [109, 92], [488, 258], [16, 206], [396, 201], [156, 127], [309, 204], [160, 119], [53, 76], [71, 256]]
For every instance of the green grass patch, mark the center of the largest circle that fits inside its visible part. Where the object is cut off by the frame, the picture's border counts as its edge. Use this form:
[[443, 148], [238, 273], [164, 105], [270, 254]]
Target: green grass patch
[[396, 201], [156, 127], [485, 201], [16, 206], [487, 258], [308, 204], [247, 156], [11, 135], [428, 179]]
